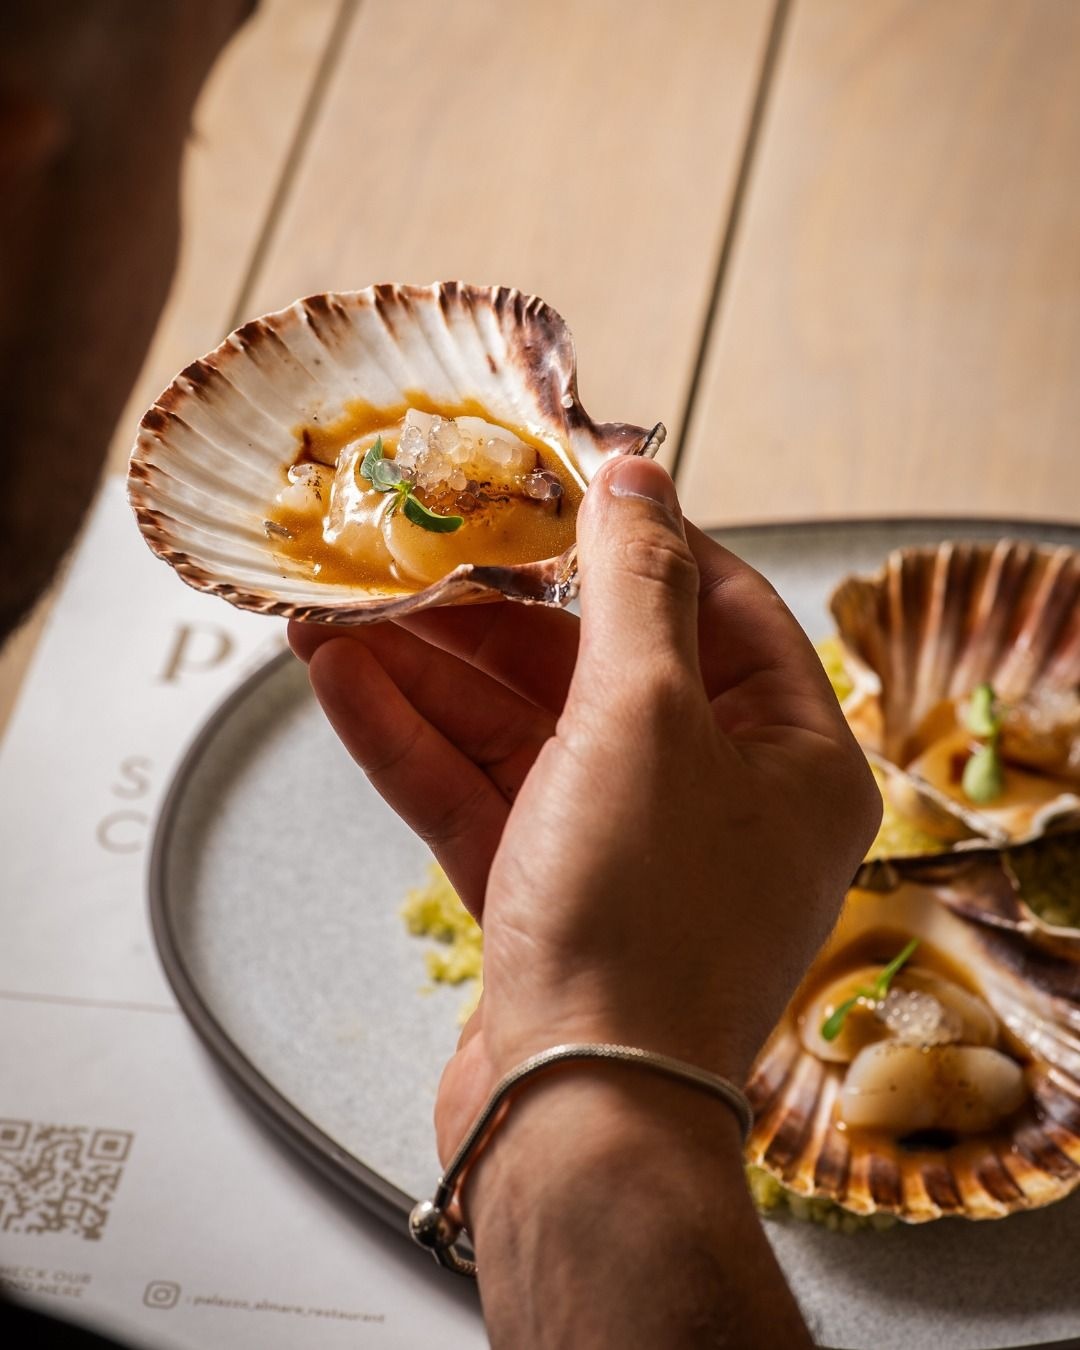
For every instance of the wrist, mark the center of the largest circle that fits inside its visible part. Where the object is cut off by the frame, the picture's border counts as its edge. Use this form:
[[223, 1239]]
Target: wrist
[[600, 1180], [580, 1117]]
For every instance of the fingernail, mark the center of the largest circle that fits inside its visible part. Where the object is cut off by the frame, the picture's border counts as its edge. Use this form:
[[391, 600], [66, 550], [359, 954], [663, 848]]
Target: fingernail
[[643, 478]]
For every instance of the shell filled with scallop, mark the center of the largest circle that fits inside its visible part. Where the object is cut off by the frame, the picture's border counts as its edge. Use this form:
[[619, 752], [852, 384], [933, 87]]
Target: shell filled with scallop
[[928, 1066], [369, 453], [964, 663]]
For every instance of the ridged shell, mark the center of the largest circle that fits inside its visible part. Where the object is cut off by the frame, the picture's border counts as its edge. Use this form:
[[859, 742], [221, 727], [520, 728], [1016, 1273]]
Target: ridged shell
[[984, 887], [933, 624], [1030, 1160], [210, 454]]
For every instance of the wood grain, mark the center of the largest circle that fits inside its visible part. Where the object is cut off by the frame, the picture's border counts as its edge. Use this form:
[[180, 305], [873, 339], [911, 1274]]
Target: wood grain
[[243, 128], [581, 149], [901, 329]]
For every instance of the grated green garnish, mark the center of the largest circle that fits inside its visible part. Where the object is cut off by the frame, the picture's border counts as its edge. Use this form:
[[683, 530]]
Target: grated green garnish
[[830, 650], [772, 1199], [435, 911]]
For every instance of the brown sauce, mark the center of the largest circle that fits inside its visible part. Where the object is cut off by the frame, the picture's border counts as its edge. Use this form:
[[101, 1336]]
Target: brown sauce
[[500, 529]]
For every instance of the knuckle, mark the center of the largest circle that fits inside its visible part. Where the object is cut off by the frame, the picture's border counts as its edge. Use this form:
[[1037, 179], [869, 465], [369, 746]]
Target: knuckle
[[456, 821], [745, 591], [391, 756], [661, 559], [858, 789], [871, 805]]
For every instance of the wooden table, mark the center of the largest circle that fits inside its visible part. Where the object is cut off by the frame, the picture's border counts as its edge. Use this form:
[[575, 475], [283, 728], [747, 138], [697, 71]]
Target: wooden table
[[833, 244]]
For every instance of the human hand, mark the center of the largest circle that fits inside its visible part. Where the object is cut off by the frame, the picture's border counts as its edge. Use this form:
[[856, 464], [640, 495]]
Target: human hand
[[656, 829]]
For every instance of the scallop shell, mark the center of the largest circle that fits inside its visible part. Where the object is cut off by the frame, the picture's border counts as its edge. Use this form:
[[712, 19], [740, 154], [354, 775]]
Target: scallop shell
[[984, 887], [211, 452], [933, 624], [1030, 1160]]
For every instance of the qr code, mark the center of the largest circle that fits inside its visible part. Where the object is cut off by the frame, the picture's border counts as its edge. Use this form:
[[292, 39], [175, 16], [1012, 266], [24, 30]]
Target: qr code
[[59, 1178]]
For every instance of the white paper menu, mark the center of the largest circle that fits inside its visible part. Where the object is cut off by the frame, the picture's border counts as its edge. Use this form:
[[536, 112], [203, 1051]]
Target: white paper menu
[[137, 1191]]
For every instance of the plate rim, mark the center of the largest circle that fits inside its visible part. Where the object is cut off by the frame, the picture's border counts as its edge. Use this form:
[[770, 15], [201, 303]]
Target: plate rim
[[347, 1172]]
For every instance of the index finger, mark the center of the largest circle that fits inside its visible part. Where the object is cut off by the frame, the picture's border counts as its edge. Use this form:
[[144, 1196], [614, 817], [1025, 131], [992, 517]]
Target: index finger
[[529, 648]]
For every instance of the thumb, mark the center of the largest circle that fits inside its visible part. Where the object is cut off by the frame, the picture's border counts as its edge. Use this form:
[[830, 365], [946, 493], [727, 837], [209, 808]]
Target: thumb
[[639, 580]]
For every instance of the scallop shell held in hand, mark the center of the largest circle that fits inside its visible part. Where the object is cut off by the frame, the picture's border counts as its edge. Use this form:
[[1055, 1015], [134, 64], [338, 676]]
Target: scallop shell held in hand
[[1030, 1159], [212, 452], [931, 626]]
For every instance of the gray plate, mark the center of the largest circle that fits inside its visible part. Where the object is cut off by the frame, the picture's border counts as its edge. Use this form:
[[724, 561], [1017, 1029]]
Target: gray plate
[[276, 886]]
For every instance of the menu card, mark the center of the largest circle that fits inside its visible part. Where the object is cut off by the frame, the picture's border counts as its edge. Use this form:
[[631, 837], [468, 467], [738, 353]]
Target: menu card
[[137, 1191]]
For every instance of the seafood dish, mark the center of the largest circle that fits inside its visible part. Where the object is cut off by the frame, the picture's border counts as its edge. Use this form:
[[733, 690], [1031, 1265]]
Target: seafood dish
[[930, 1063], [961, 670], [929, 1066], [374, 452]]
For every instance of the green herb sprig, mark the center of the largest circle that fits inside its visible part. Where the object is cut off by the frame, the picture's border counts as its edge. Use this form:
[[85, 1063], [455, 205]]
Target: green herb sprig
[[984, 773], [834, 1023], [385, 476]]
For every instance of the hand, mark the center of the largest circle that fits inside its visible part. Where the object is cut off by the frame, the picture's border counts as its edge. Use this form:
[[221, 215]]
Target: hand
[[655, 813]]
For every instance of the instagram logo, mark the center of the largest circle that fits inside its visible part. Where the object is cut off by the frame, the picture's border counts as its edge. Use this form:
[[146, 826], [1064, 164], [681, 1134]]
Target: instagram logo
[[161, 1294]]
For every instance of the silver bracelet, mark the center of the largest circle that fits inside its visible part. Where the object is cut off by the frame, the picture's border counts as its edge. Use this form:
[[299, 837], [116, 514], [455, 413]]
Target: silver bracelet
[[431, 1224]]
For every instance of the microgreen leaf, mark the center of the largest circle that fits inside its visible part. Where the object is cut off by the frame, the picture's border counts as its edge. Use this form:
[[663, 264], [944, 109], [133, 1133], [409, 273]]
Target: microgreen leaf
[[385, 476], [983, 716], [373, 456], [881, 984], [984, 775], [834, 1023], [422, 515]]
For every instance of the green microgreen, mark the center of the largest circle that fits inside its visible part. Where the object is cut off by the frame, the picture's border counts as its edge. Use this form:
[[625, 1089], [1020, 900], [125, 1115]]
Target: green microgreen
[[422, 515], [834, 1023], [984, 774], [385, 476], [983, 716]]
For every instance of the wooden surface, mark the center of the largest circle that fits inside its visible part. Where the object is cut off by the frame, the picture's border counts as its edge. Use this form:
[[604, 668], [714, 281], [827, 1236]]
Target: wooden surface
[[899, 332], [584, 150], [839, 240]]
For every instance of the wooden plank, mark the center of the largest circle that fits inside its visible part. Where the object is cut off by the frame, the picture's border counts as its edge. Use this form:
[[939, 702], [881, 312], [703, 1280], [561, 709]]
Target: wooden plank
[[584, 150], [901, 328], [243, 127]]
